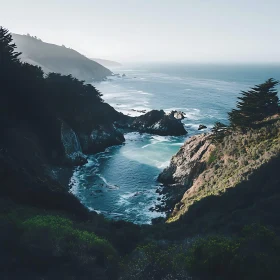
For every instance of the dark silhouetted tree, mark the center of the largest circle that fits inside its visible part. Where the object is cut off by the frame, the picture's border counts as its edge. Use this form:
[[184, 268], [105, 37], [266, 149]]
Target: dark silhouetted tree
[[255, 105], [8, 54]]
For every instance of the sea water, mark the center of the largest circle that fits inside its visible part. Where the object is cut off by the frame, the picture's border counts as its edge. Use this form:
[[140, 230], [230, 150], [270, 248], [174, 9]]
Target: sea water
[[121, 182]]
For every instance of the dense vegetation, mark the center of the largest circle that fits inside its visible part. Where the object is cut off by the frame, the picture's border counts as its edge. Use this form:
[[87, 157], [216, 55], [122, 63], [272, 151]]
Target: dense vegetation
[[252, 254], [255, 105], [45, 233]]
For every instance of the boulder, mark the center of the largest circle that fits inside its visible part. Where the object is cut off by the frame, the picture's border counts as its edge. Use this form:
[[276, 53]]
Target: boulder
[[177, 115], [201, 126], [157, 122]]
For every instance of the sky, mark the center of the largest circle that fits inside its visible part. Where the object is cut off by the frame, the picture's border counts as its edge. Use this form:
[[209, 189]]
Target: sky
[[203, 31]]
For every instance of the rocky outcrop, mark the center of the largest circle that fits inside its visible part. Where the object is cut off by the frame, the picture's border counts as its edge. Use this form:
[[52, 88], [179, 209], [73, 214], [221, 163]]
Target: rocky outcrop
[[177, 115], [209, 171], [201, 126], [189, 162], [100, 138], [157, 122], [106, 126], [72, 147]]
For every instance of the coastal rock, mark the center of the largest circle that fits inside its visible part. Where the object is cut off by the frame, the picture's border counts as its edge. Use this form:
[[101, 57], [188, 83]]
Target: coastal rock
[[201, 126], [226, 171], [71, 145], [177, 115], [157, 122], [189, 162], [100, 138], [139, 111]]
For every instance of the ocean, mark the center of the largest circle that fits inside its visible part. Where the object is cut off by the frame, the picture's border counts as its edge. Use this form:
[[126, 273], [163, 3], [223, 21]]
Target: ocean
[[120, 183]]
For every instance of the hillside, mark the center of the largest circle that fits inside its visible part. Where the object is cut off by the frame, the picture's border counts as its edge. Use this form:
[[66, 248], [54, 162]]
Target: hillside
[[106, 63], [236, 177], [59, 59]]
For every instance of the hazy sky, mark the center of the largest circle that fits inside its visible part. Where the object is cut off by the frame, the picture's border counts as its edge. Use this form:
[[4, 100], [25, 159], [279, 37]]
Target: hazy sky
[[153, 30]]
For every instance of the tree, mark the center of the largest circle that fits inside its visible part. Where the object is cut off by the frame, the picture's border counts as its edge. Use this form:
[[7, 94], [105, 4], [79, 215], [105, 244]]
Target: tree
[[219, 131], [255, 104], [7, 48]]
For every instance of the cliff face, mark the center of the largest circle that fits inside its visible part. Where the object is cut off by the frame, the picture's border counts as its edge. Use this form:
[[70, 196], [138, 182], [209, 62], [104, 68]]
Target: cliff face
[[210, 169], [189, 162]]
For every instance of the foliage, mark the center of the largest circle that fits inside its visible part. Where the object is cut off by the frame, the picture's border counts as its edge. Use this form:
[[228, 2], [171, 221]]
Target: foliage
[[34, 96], [68, 96], [156, 261], [52, 247], [255, 104], [252, 255], [8, 54], [212, 158], [60, 229], [219, 131]]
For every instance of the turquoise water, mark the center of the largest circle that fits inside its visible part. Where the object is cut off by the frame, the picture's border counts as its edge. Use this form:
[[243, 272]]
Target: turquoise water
[[121, 182]]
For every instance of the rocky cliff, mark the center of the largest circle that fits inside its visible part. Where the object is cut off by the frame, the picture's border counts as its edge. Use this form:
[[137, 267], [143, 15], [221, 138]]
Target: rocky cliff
[[189, 162], [158, 122], [208, 169]]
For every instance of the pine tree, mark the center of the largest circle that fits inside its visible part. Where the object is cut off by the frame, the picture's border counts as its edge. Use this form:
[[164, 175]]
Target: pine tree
[[8, 53], [255, 104]]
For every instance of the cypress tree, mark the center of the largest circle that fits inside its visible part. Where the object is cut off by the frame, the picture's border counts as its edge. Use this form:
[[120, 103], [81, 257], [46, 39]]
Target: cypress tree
[[256, 104], [7, 48]]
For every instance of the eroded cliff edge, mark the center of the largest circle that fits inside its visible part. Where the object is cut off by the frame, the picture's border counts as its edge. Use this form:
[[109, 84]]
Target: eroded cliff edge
[[237, 175]]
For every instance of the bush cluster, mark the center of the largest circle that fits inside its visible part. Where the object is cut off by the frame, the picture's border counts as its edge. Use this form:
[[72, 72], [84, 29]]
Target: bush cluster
[[253, 254]]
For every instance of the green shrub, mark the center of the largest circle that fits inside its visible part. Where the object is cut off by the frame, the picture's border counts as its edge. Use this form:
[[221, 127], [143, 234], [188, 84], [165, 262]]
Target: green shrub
[[255, 254], [54, 237], [61, 228], [211, 256], [212, 157], [156, 262]]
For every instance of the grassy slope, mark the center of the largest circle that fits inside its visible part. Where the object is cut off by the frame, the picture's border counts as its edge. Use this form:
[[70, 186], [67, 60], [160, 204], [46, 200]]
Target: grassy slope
[[233, 161]]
